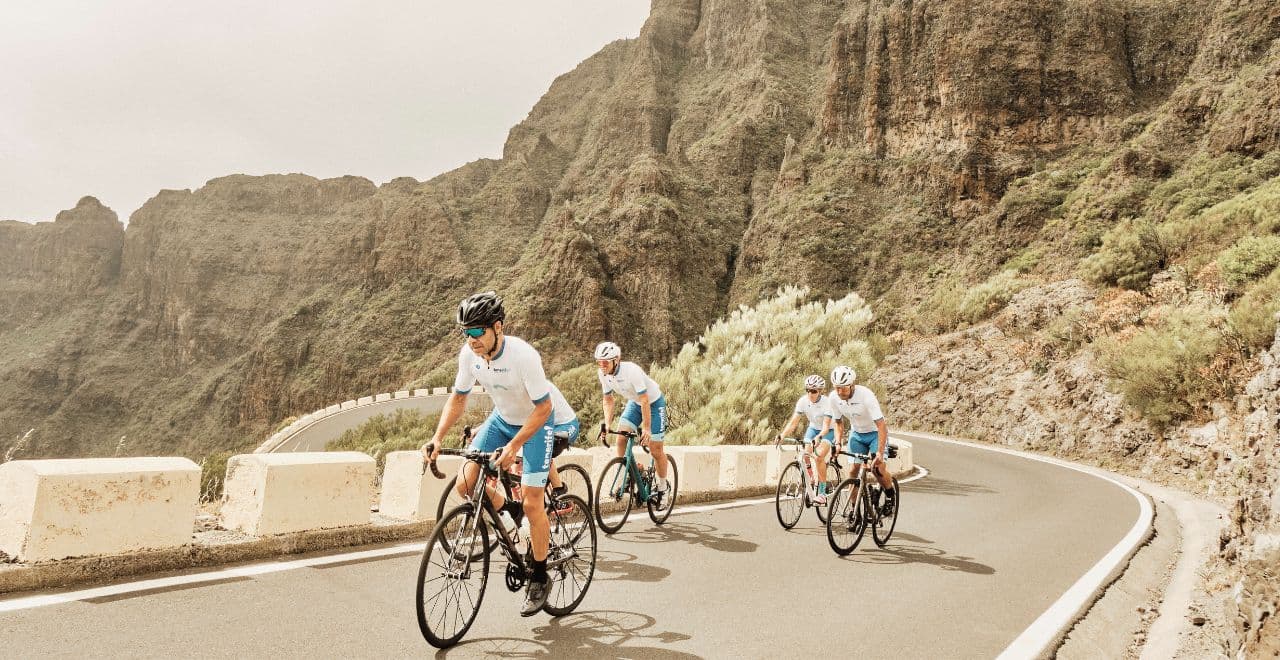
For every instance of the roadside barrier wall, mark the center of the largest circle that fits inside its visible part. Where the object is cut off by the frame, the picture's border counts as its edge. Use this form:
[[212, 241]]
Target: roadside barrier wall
[[280, 493]]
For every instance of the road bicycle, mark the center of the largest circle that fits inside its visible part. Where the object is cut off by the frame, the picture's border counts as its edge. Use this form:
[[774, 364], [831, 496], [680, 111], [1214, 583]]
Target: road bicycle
[[454, 570], [798, 484], [623, 483], [856, 506], [573, 476]]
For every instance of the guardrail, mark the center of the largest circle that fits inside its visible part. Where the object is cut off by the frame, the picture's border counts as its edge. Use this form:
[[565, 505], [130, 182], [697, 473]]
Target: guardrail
[[360, 410], [56, 509]]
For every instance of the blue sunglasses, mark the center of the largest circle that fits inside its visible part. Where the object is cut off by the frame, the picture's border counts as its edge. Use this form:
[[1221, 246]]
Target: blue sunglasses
[[474, 333]]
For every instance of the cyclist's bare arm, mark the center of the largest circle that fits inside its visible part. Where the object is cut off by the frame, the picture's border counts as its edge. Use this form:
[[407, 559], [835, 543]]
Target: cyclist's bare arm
[[453, 409], [646, 422], [606, 404], [791, 425]]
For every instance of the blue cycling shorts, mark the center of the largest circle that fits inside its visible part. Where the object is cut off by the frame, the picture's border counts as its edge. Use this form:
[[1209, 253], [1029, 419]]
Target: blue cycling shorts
[[495, 433], [632, 417]]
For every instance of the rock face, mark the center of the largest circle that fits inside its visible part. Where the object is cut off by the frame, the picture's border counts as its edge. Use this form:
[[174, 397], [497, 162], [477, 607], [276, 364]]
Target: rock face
[[733, 146]]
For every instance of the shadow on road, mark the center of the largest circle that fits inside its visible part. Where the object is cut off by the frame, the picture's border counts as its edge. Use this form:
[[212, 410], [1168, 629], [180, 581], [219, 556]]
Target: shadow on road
[[692, 533], [942, 486], [591, 634], [625, 567], [911, 549]]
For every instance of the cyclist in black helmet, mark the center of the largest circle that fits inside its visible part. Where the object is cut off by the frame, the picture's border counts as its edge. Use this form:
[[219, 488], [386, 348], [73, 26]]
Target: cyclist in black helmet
[[528, 411]]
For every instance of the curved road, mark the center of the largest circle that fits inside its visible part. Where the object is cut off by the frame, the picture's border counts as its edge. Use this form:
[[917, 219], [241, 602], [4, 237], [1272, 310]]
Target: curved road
[[317, 434], [985, 544]]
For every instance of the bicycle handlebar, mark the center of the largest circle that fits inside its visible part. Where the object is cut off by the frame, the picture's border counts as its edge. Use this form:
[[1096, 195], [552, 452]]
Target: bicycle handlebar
[[605, 432]]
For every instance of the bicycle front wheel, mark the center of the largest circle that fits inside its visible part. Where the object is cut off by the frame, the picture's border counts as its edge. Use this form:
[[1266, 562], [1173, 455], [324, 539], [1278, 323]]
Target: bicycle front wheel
[[846, 523], [883, 529], [789, 502], [451, 583], [659, 516], [571, 561], [614, 487], [575, 477]]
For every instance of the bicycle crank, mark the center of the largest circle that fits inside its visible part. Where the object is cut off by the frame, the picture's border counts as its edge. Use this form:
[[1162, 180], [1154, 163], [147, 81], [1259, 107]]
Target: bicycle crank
[[515, 578]]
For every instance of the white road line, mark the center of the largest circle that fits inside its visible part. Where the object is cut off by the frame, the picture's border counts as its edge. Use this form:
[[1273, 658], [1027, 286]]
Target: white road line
[[263, 568], [1042, 632]]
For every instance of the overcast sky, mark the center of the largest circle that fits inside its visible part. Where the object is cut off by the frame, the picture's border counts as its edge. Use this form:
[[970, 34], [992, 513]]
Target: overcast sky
[[120, 99]]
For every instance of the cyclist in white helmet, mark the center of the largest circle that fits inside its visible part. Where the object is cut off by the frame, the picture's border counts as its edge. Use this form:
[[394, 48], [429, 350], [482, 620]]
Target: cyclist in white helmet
[[868, 433], [646, 410], [813, 405]]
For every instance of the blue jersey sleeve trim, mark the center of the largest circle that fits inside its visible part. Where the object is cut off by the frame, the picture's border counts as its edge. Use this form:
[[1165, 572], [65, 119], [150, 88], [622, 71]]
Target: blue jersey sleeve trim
[[458, 391], [544, 398]]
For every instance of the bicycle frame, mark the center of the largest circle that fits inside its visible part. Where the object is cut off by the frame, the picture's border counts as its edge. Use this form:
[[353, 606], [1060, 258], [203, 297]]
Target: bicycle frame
[[801, 447], [633, 477]]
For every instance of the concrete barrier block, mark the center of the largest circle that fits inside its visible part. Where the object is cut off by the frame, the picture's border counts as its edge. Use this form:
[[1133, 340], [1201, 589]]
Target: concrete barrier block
[[699, 467], [439, 390], [305, 419], [333, 409], [742, 467], [402, 394], [364, 400], [775, 460], [291, 492], [348, 405], [385, 396], [54, 509], [905, 460], [477, 390], [407, 492], [578, 457]]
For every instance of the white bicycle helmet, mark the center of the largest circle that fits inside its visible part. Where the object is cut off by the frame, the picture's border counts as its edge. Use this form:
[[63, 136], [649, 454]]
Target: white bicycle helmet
[[843, 376], [815, 382], [608, 350]]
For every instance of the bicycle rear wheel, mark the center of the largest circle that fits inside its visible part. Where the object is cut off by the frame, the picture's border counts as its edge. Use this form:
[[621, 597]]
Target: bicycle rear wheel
[[789, 502], [846, 523], [451, 584], [882, 531], [571, 561], [614, 487], [668, 498]]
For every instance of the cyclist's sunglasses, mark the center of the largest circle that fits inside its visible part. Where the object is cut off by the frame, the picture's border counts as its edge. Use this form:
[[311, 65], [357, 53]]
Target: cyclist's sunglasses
[[474, 333], [812, 391]]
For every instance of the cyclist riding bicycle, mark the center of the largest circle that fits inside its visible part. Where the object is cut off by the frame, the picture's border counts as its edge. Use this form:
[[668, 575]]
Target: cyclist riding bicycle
[[528, 411], [645, 412], [868, 433], [813, 406]]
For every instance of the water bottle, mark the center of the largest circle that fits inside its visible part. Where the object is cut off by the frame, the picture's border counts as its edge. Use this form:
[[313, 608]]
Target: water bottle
[[509, 524]]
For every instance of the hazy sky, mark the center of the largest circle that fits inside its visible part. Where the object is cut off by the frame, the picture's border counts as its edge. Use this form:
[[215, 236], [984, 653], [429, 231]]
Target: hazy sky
[[120, 99]]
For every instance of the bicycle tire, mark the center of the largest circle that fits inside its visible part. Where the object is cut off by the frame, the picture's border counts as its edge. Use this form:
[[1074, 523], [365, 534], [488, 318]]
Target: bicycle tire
[[882, 538], [613, 487], [673, 475], [846, 523], [450, 500], [566, 539], [790, 487], [581, 473], [433, 555], [833, 482]]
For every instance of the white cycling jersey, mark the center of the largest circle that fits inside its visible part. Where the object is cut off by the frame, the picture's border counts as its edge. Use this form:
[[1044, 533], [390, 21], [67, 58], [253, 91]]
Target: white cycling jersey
[[862, 408], [514, 380], [630, 381], [813, 410]]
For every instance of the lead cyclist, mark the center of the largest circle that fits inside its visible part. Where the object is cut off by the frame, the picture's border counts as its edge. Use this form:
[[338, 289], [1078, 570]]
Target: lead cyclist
[[868, 433]]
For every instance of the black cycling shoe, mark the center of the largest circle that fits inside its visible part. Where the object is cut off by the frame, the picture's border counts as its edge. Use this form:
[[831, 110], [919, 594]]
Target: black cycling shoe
[[890, 501], [535, 597], [560, 492]]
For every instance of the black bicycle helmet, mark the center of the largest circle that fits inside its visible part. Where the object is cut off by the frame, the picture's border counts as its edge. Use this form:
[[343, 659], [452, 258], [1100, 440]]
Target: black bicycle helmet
[[481, 310]]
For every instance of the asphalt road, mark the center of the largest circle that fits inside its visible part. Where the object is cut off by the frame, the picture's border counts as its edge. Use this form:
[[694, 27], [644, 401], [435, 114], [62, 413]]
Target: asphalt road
[[984, 545]]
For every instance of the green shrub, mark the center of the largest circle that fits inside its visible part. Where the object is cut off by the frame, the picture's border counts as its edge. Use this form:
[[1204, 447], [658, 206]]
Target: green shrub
[[1163, 370], [738, 382], [951, 305], [581, 388], [1253, 315], [1130, 254], [213, 475], [1025, 261], [403, 430], [1251, 257]]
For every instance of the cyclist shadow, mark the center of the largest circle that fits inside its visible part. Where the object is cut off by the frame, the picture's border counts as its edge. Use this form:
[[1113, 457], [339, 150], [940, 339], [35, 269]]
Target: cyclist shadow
[[625, 567], [589, 634], [692, 533], [916, 550], [942, 486]]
